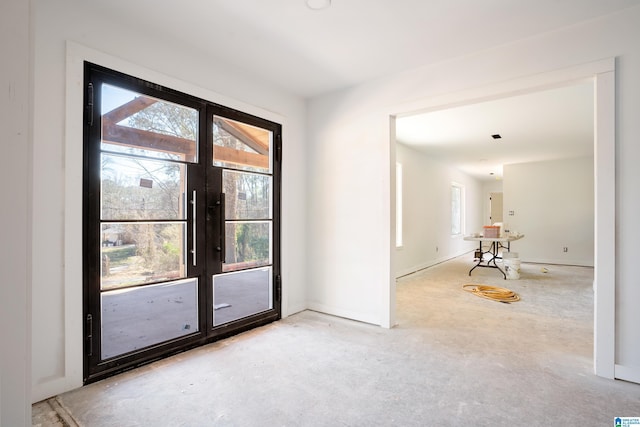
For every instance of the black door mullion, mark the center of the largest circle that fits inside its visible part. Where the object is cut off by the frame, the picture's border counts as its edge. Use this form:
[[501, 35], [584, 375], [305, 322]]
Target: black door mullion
[[196, 239], [215, 220]]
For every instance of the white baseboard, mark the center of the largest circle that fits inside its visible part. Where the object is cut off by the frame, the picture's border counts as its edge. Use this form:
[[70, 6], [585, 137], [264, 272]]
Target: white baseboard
[[556, 261], [347, 314], [429, 263], [628, 373]]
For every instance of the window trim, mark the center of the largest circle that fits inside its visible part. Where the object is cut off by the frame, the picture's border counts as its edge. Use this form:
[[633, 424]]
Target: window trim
[[399, 206]]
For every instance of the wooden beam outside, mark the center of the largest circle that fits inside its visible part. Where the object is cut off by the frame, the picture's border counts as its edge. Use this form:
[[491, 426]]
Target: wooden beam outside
[[239, 157], [129, 109], [237, 131], [123, 135], [185, 148]]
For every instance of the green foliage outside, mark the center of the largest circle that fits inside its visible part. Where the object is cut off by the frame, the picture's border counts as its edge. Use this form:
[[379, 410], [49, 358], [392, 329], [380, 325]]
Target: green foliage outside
[[252, 242]]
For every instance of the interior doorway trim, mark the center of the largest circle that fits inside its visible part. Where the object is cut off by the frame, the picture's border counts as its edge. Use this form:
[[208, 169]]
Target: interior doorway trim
[[602, 74]]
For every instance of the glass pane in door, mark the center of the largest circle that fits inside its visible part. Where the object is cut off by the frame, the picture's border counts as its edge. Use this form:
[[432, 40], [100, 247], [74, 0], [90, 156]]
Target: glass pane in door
[[135, 188], [238, 145], [247, 195], [135, 318], [248, 244], [240, 294], [141, 252], [141, 125]]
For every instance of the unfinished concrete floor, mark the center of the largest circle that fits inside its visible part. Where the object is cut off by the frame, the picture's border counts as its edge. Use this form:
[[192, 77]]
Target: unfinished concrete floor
[[453, 360]]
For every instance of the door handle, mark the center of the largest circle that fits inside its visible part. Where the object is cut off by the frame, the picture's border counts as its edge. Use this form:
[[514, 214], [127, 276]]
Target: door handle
[[193, 227], [223, 235]]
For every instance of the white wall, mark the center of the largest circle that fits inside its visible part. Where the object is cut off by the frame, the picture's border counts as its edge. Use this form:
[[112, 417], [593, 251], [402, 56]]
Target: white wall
[[427, 236], [350, 211], [15, 174], [57, 192], [552, 201], [553, 205]]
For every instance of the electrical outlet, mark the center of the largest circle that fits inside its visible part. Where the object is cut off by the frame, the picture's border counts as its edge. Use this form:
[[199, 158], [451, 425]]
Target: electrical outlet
[[565, 249], [512, 213]]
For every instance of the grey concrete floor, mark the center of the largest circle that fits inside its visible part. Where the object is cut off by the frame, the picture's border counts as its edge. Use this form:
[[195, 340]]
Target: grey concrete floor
[[454, 359]]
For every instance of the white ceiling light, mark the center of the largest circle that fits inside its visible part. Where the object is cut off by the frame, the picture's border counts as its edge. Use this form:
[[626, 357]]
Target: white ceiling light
[[318, 4]]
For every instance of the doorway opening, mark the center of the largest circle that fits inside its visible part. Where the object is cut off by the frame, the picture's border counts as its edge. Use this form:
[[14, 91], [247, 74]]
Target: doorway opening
[[601, 74], [495, 207]]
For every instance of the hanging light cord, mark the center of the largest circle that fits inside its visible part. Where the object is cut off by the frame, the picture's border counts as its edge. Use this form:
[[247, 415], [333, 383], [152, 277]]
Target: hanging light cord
[[492, 292]]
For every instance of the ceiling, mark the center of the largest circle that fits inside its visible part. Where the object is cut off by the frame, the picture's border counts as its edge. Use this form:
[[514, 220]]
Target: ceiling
[[547, 125], [286, 44], [308, 52]]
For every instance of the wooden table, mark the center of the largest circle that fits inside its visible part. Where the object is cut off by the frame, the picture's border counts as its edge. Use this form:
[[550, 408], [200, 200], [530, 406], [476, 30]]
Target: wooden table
[[495, 244]]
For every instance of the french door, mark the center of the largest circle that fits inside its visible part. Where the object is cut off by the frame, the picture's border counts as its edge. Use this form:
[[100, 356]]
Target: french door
[[181, 222]]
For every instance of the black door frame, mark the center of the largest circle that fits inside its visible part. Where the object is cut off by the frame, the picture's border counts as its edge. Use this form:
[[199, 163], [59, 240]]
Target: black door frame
[[94, 368]]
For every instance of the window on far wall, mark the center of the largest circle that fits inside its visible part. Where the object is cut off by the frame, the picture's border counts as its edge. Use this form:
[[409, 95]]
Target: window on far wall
[[457, 209], [398, 205]]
